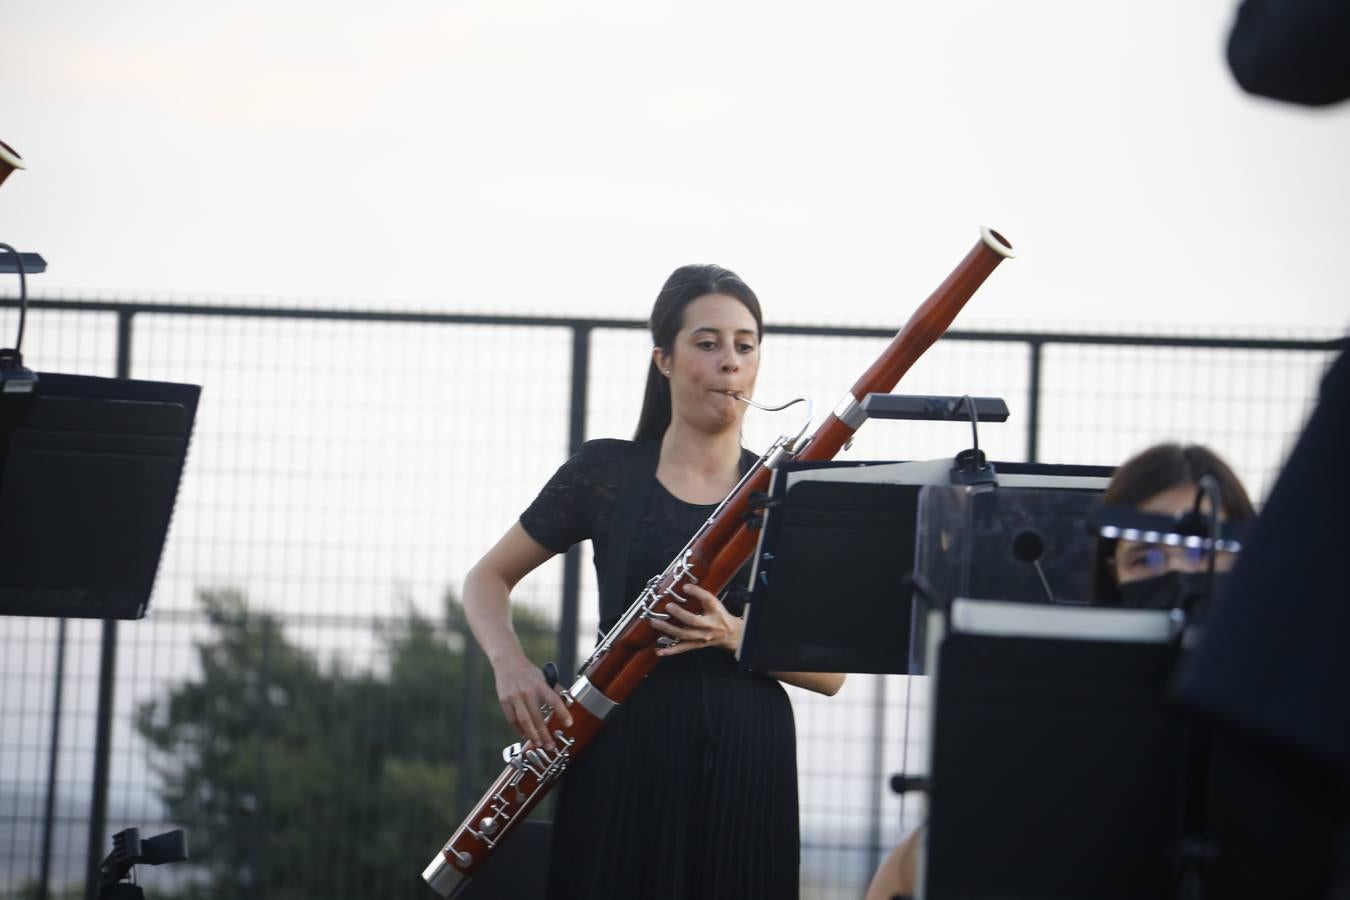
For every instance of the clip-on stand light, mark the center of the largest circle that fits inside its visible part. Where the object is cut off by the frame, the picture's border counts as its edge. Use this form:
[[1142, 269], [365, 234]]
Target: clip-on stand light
[[970, 464]]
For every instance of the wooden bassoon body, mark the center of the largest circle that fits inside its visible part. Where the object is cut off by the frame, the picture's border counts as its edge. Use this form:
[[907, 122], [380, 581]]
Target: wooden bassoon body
[[710, 559]]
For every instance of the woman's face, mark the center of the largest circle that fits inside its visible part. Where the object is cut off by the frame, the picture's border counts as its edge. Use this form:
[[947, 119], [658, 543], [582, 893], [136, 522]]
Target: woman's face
[[714, 356], [1136, 560]]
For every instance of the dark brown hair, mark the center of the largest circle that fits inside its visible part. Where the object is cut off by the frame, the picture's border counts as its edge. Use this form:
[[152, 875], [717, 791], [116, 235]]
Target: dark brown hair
[[685, 285]]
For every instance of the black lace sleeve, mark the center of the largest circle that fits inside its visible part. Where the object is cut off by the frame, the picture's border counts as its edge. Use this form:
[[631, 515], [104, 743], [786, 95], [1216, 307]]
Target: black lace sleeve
[[577, 501]]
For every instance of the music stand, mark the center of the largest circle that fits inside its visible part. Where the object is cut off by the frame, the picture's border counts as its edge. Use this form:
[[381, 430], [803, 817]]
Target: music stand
[[828, 590], [89, 472]]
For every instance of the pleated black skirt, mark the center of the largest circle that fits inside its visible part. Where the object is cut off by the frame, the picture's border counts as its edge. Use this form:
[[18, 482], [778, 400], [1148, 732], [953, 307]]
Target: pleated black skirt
[[690, 791]]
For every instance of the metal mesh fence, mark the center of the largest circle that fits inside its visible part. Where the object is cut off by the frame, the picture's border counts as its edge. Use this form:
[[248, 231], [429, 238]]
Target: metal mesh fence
[[345, 472]]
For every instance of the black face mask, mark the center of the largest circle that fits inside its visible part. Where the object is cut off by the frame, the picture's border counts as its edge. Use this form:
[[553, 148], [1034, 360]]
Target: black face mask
[[1170, 590]]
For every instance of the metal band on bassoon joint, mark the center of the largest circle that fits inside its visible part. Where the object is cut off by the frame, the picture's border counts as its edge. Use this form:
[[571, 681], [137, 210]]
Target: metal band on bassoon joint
[[850, 411], [591, 699]]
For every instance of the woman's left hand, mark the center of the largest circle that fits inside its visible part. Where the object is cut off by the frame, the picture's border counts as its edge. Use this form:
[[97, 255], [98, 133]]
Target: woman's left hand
[[716, 627]]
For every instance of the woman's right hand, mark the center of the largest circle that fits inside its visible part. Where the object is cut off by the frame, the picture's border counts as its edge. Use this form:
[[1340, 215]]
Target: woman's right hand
[[521, 690]]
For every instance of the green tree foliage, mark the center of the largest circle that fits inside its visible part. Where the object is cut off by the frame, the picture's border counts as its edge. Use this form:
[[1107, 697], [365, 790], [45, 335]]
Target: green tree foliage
[[298, 779]]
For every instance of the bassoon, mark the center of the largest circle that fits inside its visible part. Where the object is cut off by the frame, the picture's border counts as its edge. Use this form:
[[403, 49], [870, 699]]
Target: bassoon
[[711, 559], [9, 161]]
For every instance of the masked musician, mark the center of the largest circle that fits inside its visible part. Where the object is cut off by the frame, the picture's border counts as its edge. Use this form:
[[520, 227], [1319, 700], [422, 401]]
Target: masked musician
[[691, 788], [1162, 480]]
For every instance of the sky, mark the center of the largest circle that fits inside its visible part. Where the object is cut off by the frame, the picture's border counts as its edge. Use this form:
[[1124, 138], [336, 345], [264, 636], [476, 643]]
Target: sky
[[523, 156]]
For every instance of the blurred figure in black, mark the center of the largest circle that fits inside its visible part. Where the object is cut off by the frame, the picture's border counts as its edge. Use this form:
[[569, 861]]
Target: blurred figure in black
[[1272, 674], [1292, 50]]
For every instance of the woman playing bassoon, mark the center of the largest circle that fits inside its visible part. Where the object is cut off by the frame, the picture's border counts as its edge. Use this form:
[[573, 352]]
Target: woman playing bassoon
[[691, 788]]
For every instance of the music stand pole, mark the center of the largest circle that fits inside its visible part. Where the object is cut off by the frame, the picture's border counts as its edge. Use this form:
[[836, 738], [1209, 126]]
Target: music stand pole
[[107, 672]]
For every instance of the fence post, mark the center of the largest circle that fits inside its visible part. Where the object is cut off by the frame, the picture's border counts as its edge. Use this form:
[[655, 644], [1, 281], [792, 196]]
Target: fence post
[[470, 712], [1034, 403], [107, 675], [576, 434]]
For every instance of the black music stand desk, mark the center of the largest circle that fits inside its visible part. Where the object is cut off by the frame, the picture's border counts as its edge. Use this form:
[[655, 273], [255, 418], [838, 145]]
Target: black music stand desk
[[89, 473]]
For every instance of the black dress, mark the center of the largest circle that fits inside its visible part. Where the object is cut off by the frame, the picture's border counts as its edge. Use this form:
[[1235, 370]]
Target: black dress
[[690, 790]]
